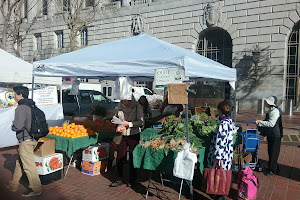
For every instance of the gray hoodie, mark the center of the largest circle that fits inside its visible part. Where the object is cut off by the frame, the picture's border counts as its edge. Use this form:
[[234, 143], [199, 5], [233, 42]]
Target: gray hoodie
[[22, 122]]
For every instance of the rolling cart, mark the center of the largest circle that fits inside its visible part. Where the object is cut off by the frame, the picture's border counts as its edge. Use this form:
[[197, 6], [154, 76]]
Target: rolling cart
[[251, 142]]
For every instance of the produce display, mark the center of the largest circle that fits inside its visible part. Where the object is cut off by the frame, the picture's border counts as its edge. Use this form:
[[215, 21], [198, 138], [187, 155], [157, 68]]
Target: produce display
[[173, 135], [71, 131], [97, 125]]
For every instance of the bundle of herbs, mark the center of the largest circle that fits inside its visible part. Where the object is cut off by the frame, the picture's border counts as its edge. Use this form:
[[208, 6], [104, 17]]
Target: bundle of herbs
[[173, 135]]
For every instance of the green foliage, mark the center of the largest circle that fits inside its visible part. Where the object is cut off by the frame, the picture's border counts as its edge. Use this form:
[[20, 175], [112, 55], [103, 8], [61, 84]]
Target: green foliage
[[200, 131]]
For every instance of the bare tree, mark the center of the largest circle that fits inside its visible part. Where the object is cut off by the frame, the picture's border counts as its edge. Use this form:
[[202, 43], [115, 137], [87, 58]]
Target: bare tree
[[79, 14], [7, 10], [16, 22]]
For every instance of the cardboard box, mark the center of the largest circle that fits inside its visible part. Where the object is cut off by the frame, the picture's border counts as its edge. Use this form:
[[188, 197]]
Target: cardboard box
[[49, 164], [177, 93], [243, 158], [95, 153], [45, 147], [94, 168]]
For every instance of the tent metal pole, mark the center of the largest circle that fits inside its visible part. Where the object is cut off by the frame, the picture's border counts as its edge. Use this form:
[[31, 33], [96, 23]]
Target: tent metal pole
[[61, 94], [235, 110], [187, 123], [32, 87]]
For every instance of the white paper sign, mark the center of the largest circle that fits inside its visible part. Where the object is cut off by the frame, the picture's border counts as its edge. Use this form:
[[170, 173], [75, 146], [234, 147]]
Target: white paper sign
[[44, 96], [165, 76]]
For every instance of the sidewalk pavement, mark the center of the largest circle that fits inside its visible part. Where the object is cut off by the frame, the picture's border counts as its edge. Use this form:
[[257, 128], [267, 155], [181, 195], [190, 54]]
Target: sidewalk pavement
[[78, 186]]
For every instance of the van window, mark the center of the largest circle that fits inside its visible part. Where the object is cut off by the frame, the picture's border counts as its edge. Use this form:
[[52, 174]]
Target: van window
[[99, 97], [107, 91], [85, 97], [147, 92], [68, 98]]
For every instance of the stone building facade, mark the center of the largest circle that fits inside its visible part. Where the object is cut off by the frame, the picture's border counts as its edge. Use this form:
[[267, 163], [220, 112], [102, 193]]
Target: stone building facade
[[260, 38]]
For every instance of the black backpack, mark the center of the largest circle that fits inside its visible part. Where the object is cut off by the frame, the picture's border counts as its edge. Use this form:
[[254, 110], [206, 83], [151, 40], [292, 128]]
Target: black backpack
[[39, 126]]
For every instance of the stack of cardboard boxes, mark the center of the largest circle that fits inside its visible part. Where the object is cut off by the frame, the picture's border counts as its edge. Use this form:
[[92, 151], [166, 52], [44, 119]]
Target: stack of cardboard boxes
[[48, 163], [95, 159]]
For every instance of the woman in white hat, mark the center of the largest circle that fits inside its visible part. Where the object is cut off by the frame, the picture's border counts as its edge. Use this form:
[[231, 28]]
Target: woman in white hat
[[271, 127]]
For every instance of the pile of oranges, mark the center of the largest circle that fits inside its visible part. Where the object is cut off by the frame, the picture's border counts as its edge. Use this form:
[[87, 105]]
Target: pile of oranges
[[70, 131]]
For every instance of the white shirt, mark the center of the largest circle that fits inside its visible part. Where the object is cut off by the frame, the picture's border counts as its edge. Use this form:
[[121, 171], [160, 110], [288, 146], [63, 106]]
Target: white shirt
[[274, 114]]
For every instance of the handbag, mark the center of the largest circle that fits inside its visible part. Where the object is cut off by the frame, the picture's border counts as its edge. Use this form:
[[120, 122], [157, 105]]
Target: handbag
[[217, 181]]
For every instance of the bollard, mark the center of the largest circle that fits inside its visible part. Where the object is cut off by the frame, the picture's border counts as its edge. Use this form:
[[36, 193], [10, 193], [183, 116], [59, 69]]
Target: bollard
[[289, 107], [260, 106]]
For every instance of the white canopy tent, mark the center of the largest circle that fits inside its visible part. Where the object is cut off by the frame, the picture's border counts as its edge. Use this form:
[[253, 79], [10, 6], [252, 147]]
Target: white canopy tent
[[15, 70], [137, 56]]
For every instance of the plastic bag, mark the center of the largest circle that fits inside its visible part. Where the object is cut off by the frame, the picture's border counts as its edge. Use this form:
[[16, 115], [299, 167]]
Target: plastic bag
[[184, 164], [123, 88], [116, 120]]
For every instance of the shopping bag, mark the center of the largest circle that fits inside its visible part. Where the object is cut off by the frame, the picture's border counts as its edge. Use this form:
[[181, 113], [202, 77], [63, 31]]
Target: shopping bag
[[184, 164], [217, 181]]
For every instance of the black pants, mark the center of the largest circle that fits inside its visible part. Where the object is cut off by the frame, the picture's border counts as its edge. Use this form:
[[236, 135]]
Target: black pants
[[124, 165], [273, 151]]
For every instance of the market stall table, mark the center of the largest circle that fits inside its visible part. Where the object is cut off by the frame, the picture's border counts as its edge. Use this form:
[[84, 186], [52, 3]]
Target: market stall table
[[70, 145]]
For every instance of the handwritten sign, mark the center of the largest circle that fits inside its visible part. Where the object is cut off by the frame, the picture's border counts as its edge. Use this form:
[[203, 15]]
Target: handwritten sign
[[177, 94], [46, 95]]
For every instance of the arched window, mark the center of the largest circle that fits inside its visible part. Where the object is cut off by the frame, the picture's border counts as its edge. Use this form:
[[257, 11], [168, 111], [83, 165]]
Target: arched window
[[216, 44], [292, 76]]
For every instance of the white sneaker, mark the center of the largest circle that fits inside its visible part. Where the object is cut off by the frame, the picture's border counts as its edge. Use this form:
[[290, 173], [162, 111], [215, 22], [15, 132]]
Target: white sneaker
[[31, 193]]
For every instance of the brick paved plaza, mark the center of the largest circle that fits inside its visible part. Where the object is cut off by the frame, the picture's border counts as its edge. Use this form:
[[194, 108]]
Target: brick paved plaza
[[78, 186]]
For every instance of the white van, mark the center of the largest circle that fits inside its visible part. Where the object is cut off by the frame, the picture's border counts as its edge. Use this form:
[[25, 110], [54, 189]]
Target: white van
[[140, 91]]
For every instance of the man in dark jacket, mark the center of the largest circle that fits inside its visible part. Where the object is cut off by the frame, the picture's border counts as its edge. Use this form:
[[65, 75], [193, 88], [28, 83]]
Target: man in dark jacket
[[21, 125], [271, 127]]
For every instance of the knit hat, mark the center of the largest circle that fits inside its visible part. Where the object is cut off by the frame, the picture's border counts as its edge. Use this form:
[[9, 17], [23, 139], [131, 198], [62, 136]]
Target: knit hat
[[272, 100]]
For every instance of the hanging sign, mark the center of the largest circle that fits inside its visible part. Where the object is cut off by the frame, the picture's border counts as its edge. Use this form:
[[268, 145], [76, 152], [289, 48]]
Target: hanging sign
[[165, 76], [44, 96], [177, 93]]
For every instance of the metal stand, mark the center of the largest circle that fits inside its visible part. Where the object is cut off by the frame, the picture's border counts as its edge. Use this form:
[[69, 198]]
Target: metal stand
[[162, 182], [68, 166]]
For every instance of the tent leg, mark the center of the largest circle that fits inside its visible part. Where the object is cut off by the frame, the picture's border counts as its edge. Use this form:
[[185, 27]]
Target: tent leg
[[180, 189], [149, 180], [32, 87], [68, 166]]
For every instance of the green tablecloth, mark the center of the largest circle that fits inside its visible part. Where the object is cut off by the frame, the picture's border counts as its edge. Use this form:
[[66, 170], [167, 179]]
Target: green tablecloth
[[152, 159], [71, 145]]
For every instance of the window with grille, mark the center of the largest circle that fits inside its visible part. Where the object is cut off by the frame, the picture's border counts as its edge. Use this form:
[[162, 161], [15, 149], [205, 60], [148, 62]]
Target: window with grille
[[45, 7], [215, 44], [59, 39], [84, 37], [38, 41], [25, 9], [89, 3], [66, 5], [292, 76]]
